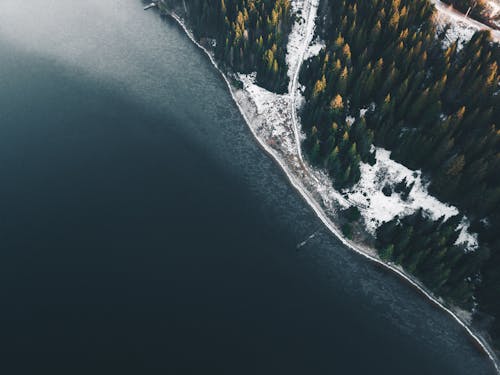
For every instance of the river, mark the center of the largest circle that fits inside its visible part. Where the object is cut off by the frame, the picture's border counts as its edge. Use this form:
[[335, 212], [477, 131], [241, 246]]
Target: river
[[142, 230]]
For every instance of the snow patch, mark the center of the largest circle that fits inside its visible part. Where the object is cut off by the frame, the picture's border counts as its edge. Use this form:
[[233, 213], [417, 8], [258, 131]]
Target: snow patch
[[469, 240], [460, 28], [314, 49], [378, 207], [349, 120], [273, 111], [300, 37], [459, 32], [493, 8], [370, 108]]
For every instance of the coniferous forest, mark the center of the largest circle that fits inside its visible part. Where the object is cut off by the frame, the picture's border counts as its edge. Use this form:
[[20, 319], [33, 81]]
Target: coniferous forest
[[435, 108], [250, 35], [387, 77]]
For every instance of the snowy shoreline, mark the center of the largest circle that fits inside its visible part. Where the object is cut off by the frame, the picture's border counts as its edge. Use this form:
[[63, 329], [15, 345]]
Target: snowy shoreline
[[312, 185]]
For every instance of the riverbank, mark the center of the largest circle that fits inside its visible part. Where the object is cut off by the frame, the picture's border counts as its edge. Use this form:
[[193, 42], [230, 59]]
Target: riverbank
[[272, 120]]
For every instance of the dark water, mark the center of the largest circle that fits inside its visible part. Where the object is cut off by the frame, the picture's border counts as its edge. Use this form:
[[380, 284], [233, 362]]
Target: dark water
[[143, 231]]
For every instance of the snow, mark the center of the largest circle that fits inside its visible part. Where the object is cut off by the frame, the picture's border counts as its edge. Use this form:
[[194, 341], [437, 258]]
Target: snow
[[299, 40], [378, 207], [274, 120], [457, 31], [494, 8], [314, 49], [270, 118], [350, 120], [461, 28], [469, 240], [273, 117], [273, 113]]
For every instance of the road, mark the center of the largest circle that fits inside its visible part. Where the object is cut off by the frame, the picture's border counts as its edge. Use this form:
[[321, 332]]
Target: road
[[453, 14]]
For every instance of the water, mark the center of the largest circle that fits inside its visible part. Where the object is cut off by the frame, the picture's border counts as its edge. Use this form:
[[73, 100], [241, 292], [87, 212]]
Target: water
[[142, 230]]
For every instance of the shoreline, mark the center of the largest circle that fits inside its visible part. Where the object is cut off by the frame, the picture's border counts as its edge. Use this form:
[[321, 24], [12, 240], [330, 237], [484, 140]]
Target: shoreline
[[243, 99]]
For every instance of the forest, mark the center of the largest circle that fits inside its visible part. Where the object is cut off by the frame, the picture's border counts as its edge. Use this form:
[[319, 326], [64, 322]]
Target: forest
[[387, 77], [427, 250], [250, 35]]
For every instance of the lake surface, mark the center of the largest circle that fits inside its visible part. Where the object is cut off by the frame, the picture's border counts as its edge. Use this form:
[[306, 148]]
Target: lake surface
[[142, 230]]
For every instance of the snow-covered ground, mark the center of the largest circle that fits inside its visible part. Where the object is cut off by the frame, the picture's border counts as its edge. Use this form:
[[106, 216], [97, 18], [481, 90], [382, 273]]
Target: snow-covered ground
[[299, 42], [461, 28], [274, 118], [271, 120], [493, 8], [377, 207]]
